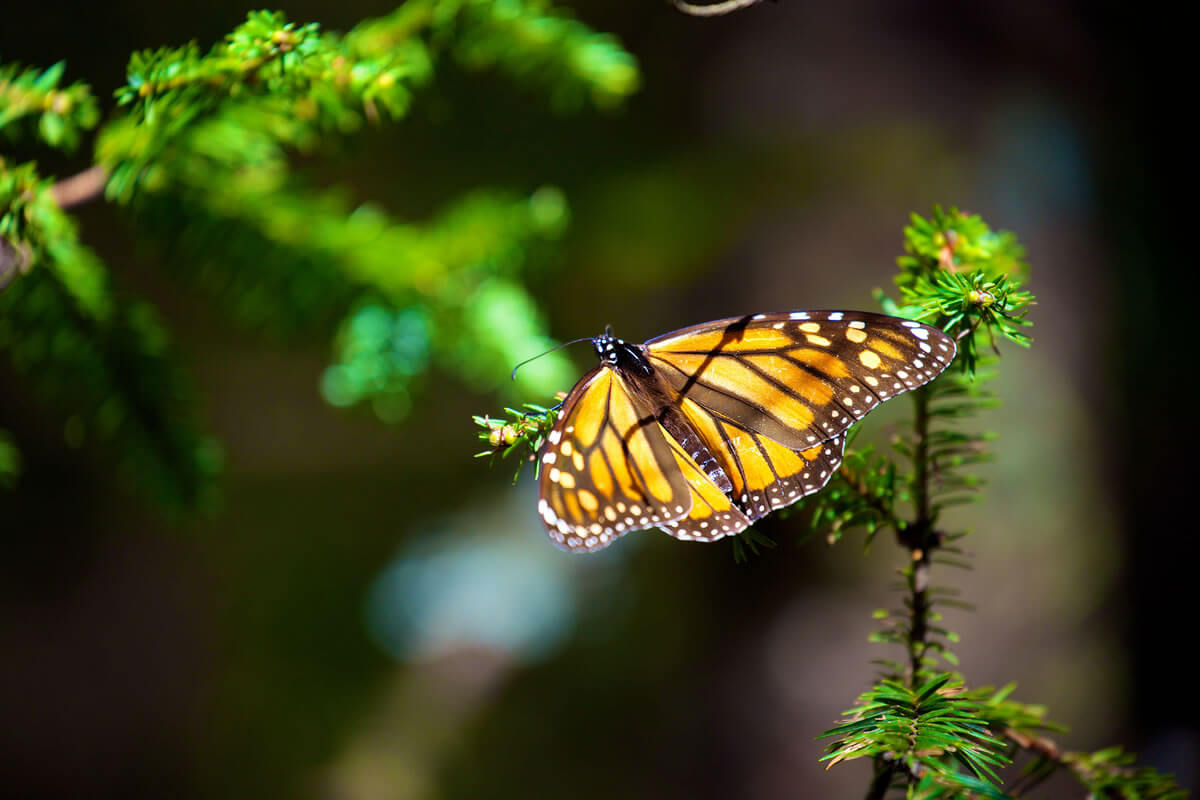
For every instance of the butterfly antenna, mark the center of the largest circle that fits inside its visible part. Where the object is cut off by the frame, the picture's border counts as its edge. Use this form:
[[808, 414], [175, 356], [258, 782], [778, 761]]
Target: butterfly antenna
[[551, 350]]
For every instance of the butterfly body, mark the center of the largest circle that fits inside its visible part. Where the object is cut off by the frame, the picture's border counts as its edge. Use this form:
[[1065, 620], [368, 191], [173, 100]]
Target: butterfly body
[[632, 362], [704, 430]]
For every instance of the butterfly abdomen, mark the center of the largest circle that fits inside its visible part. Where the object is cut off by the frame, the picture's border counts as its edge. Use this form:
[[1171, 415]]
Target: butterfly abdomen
[[678, 426]]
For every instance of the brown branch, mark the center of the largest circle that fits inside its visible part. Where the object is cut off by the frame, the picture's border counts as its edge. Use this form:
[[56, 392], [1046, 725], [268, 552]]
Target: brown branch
[[714, 9], [1041, 747], [881, 782], [14, 260], [919, 538], [80, 188], [921, 456]]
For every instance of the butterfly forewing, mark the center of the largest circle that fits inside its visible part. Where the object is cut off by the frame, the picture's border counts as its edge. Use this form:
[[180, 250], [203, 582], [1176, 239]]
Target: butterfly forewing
[[607, 467], [799, 378]]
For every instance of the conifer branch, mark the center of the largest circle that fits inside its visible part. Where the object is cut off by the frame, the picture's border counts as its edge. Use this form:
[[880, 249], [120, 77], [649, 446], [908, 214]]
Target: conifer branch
[[200, 152], [963, 277], [881, 783], [82, 187], [875, 501], [919, 538], [32, 101]]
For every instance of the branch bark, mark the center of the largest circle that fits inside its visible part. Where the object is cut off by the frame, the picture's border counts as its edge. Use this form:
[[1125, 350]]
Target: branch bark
[[80, 188], [713, 9]]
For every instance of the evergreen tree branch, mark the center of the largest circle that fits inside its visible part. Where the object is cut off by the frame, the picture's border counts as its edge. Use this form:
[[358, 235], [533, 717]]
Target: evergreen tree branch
[[885, 776], [546, 48], [875, 499], [919, 538], [910, 732], [287, 85], [59, 115], [958, 275], [1105, 773], [523, 435], [82, 187], [934, 456], [1110, 773], [110, 375], [202, 157], [106, 364]]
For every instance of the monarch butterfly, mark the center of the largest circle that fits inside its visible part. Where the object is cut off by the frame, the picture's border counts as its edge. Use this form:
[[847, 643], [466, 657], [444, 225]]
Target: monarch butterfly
[[704, 430]]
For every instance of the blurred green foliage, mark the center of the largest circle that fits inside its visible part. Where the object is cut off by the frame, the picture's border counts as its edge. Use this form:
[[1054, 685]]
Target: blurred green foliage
[[10, 461], [60, 114], [202, 151]]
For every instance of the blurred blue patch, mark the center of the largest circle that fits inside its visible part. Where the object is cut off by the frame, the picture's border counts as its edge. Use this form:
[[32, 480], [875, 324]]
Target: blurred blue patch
[[1035, 164], [509, 589]]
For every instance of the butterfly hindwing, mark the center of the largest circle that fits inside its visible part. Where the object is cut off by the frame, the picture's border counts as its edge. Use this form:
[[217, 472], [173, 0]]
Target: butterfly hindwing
[[607, 467], [764, 474], [799, 378]]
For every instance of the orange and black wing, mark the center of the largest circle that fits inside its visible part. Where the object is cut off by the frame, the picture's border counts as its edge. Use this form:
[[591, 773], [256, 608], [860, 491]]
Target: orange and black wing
[[764, 474], [798, 378], [608, 467]]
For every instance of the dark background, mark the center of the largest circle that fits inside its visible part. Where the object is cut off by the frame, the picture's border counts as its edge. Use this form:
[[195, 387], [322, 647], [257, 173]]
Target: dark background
[[376, 614]]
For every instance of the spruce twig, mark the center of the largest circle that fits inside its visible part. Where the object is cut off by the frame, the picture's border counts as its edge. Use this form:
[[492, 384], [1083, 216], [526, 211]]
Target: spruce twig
[[961, 276], [919, 538], [858, 484]]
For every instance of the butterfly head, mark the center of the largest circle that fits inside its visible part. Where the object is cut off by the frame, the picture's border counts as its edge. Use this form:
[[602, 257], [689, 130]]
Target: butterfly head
[[619, 353], [606, 346]]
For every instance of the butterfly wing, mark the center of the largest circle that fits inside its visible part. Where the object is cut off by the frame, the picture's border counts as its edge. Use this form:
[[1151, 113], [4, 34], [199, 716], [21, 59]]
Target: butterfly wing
[[608, 467], [798, 378], [764, 474]]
